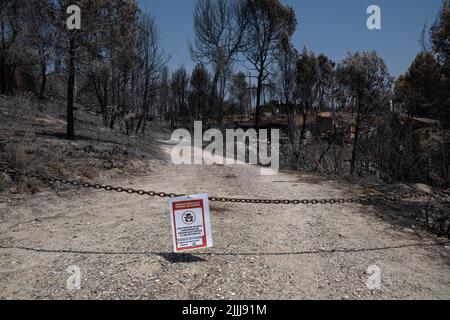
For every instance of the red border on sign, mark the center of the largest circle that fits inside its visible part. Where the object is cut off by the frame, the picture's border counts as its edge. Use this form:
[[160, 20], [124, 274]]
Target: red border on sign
[[201, 206]]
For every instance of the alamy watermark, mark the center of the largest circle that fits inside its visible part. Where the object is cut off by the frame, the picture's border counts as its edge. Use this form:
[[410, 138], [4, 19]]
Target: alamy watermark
[[374, 280], [74, 280], [235, 148], [74, 19], [374, 20]]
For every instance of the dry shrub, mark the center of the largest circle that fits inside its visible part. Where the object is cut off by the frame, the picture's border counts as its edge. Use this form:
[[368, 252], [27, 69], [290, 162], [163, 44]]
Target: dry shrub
[[23, 106], [16, 156], [89, 171], [326, 157], [230, 176]]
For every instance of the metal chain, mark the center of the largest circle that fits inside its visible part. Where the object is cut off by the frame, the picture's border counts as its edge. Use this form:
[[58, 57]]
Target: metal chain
[[443, 195]]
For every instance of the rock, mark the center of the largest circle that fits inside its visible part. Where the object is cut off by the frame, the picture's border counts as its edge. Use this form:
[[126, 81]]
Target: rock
[[423, 188]]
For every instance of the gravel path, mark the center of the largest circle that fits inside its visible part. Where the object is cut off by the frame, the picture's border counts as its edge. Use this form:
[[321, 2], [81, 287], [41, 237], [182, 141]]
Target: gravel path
[[122, 244]]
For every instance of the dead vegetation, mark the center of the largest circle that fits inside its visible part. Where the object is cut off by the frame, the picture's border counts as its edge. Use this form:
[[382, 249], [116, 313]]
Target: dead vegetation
[[430, 213], [32, 139]]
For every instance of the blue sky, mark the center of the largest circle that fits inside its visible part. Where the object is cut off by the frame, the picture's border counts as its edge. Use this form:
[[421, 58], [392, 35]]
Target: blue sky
[[333, 27]]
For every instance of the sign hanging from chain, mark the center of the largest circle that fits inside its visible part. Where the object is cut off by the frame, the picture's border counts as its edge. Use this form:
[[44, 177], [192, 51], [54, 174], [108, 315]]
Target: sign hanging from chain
[[191, 223]]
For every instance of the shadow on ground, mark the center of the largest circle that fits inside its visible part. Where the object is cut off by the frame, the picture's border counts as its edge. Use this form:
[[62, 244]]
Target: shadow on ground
[[181, 258]]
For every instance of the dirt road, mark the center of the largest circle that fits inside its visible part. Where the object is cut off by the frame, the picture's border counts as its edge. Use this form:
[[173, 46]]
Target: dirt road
[[122, 243]]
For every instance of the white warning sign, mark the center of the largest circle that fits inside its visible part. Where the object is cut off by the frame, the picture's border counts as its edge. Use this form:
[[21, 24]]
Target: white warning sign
[[191, 223]]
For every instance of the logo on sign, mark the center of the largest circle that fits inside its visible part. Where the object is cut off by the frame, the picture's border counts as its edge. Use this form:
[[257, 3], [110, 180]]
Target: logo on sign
[[189, 217]]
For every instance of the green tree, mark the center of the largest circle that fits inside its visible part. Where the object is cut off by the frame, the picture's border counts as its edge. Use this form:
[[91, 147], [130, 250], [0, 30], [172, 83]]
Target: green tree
[[325, 86], [240, 94], [440, 35], [307, 80], [366, 83], [440, 38], [179, 93], [11, 55], [286, 57], [106, 37], [40, 34], [199, 95], [417, 91]]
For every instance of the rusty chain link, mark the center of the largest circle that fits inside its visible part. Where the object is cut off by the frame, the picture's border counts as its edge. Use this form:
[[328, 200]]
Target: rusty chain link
[[445, 194]]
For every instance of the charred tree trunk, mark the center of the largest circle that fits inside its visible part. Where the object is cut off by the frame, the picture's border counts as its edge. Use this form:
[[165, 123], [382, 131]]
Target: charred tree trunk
[[305, 117], [71, 91], [258, 101], [214, 96], [43, 80], [104, 103], [355, 145], [3, 73]]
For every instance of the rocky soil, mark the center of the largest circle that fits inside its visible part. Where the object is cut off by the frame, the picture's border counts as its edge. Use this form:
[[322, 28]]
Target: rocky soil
[[122, 243]]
